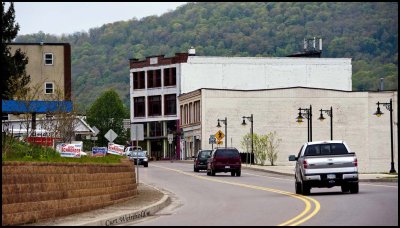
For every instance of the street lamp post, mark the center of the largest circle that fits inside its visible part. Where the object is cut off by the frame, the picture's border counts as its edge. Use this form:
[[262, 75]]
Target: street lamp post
[[225, 121], [378, 113], [250, 118], [330, 114], [308, 112]]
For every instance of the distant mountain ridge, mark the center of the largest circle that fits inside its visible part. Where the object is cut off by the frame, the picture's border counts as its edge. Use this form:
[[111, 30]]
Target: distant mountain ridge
[[366, 32]]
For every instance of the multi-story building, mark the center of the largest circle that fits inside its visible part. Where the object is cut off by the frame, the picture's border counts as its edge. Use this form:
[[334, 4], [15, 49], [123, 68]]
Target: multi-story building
[[156, 82], [49, 67], [275, 110]]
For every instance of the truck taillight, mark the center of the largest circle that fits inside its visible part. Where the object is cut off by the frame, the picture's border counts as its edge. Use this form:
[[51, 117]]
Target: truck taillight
[[305, 164], [355, 162]]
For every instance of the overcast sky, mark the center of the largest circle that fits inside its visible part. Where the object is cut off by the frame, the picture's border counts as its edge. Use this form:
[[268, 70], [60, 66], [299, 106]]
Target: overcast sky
[[69, 17]]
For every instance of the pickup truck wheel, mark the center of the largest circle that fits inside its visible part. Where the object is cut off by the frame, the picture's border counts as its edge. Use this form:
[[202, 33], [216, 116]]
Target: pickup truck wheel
[[146, 165], [238, 173], [305, 189], [298, 187], [345, 188], [354, 187], [233, 173]]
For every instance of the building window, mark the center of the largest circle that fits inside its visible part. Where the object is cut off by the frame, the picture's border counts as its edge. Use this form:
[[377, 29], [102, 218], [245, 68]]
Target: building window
[[190, 112], [139, 107], [49, 88], [170, 76], [186, 113], [153, 78], [138, 80], [182, 116], [170, 104], [48, 59], [197, 111], [156, 128], [171, 126], [154, 105]]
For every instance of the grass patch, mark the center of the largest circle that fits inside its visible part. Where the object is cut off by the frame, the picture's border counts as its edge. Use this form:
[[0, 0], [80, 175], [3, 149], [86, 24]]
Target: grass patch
[[15, 150]]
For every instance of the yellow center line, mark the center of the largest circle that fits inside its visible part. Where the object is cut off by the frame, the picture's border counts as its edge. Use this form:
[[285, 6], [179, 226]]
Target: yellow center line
[[292, 222]]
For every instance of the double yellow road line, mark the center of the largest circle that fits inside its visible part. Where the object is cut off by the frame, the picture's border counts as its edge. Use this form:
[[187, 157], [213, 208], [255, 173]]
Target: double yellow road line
[[312, 206]]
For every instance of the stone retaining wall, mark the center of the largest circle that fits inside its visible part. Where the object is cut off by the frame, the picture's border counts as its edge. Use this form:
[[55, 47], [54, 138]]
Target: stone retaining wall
[[34, 191]]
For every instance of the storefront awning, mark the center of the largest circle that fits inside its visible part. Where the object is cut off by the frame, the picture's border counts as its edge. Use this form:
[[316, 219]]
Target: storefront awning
[[11, 106]]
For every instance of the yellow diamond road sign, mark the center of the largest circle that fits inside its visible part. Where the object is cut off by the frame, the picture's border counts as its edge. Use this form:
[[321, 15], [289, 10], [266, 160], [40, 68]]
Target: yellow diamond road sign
[[219, 135]]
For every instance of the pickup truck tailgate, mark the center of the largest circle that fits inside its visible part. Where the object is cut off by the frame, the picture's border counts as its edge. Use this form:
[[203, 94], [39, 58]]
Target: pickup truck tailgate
[[330, 164]]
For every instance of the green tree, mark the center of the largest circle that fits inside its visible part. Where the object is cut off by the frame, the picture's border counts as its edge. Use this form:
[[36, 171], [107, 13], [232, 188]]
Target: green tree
[[260, 143], [264, 146], [106, 113], [13, 74], [272, 147]]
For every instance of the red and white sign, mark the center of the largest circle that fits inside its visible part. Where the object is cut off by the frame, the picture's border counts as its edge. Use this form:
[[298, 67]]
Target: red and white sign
[[115, 149], [70, 150]]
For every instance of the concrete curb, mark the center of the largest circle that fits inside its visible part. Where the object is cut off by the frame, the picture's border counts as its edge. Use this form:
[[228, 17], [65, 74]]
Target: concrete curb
[[135, 215], [268, 171], [378, 180]]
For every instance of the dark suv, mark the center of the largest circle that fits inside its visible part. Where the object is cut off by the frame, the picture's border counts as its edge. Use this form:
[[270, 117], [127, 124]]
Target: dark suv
[[200, 161], [224, 160]]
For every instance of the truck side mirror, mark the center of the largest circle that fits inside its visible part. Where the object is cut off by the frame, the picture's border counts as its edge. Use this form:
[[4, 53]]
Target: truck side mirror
[[292, 158]]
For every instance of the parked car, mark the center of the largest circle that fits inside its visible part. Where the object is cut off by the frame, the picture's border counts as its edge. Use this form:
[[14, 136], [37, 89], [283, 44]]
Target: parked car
[[200, 161], [224, 160], [139, 155], [325, 164]]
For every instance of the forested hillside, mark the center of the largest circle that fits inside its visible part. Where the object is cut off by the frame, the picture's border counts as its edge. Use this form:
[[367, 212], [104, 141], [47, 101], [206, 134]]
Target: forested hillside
[[367, 32]]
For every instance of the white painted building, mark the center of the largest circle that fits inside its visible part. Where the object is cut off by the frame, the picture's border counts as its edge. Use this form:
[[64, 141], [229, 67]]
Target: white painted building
[[156, 82], [249, 73], [277, 109]]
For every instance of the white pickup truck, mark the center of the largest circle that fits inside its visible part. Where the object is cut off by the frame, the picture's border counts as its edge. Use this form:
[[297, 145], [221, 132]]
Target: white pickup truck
[[325, 164], [136, 153]]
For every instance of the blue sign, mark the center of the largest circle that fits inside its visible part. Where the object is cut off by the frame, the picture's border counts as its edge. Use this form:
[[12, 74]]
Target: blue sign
[[99, 151], [212, 139]]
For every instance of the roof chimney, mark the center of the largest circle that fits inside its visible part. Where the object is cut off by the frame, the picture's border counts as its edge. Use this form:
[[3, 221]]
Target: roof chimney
[[381, 85], [192, 51]]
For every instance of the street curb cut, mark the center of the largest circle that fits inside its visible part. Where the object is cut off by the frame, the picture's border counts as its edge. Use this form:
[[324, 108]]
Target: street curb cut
[[135, 215]]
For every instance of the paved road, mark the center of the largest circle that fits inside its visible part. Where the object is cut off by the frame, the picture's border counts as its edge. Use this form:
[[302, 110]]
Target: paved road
[[258, 198]]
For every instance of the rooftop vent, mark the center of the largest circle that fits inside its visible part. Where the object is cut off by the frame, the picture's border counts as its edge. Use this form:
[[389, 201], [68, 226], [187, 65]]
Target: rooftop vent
[[192, 51]]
